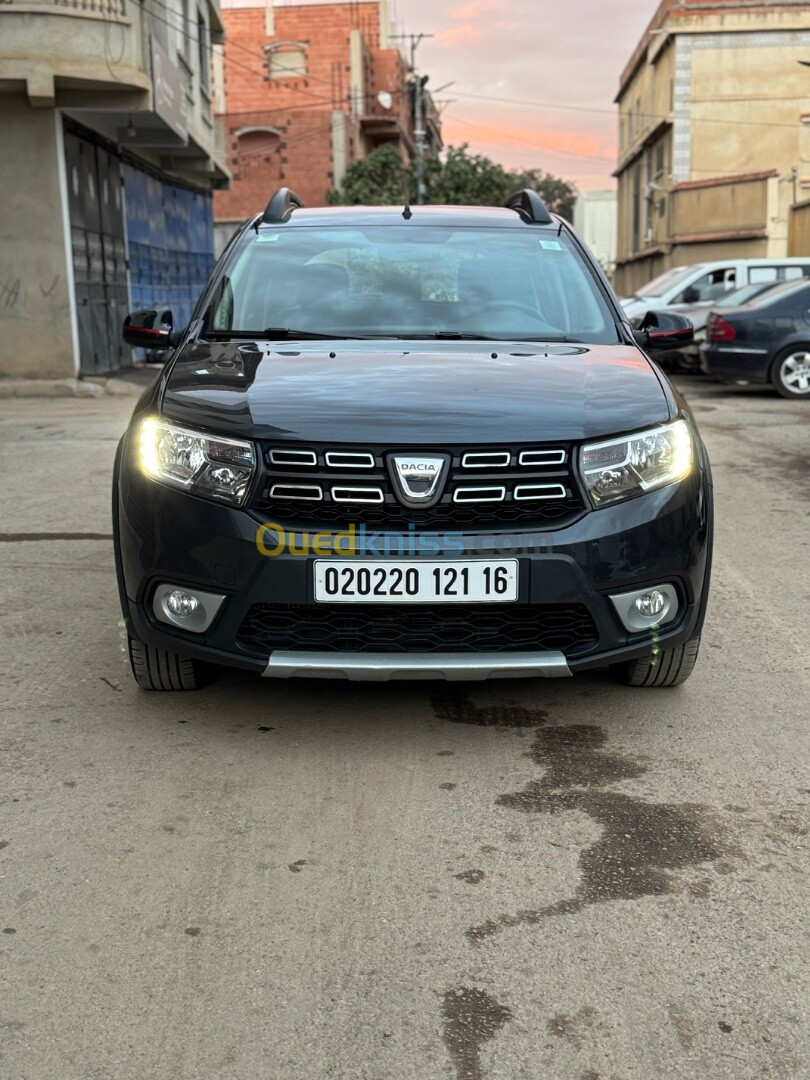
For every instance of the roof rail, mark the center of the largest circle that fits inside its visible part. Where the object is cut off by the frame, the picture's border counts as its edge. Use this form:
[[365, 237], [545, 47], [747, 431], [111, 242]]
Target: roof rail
[[530, 206], [281, 206]]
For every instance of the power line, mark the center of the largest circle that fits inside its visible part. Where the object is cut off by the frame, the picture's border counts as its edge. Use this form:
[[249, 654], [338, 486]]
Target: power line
[[612, 112]]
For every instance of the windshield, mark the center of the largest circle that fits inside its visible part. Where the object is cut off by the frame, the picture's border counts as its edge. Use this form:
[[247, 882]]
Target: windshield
[[780, 292], [664, 282], [743, 295], [411, 281]]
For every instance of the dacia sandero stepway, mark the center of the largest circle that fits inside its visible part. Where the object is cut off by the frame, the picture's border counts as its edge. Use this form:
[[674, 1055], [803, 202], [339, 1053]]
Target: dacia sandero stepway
[[411, 443]]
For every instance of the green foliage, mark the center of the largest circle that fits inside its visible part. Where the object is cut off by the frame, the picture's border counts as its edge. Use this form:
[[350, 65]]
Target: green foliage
[[458, 178], [379, 179]]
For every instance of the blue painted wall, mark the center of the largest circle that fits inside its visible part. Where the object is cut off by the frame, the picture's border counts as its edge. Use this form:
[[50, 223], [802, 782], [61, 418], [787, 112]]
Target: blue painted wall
[[170, 235]]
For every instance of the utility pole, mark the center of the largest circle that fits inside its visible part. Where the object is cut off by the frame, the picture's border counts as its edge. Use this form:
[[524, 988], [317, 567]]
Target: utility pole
[[418, 114]]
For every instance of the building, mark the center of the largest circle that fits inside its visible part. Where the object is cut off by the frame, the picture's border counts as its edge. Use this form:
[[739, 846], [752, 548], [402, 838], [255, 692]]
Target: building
[[595, 221], [714, 134], [107, 170], [304, 91]]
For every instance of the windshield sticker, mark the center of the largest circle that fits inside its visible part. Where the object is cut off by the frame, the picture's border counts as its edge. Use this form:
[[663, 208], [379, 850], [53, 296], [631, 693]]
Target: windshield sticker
[[267, 238], [551, 245]]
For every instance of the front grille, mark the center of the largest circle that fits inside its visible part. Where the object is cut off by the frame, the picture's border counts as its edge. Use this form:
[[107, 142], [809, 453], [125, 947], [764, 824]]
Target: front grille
[[313, 486], [426, 628]]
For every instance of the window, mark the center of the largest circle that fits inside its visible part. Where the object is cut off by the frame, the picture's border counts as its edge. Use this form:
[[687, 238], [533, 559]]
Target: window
[[204, 51], [287, 60], [708, 287], [403, 280], [185, 19], [660, 159], [763, 273]]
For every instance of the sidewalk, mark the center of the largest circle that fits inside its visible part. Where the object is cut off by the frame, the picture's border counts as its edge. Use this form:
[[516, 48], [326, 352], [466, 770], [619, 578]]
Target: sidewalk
[[130, 382]]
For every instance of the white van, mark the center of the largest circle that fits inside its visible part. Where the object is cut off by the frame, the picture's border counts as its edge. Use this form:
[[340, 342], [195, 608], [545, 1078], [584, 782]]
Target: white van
[[704, 283]]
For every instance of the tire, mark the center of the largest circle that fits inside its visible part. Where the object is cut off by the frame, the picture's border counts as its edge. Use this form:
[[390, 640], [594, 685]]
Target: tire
[[790, 373], [670, 667], [157, 669]]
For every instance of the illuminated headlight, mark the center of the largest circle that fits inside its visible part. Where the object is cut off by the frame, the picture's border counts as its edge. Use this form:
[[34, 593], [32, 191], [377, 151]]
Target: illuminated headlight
[[620, 468], [208, 465]]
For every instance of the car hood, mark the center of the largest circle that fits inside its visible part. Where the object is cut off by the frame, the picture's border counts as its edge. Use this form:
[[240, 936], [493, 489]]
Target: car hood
[[404, 392]]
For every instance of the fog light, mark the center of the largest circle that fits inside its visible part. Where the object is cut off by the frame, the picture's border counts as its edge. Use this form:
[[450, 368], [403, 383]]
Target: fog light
[[183, 604], [642, 609], [650, 603], [189, 609]]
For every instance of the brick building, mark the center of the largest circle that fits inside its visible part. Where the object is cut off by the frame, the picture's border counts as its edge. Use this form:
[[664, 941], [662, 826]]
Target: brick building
[[303, 91]]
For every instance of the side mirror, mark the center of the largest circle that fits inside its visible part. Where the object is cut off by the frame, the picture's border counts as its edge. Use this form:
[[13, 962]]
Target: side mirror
[[690, 296], [149, 329], [663, 331]]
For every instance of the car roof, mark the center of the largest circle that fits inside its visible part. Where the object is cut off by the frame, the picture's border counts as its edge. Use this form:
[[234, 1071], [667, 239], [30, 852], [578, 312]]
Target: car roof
[[480, 216]]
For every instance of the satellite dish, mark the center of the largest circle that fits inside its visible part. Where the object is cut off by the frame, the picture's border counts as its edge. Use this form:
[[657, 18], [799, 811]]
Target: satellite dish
[[385, 99]]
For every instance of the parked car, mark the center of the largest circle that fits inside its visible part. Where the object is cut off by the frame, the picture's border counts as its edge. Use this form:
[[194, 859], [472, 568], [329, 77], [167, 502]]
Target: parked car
[[705, 283], [411, 443], [688, 358], [765, 340]]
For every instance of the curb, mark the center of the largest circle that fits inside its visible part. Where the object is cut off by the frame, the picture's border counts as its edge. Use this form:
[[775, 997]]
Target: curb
[[64, 388]]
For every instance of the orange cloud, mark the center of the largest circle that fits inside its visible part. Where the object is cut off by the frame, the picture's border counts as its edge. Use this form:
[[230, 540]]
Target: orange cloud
[[475, 9], [460, 35], [494, 135]]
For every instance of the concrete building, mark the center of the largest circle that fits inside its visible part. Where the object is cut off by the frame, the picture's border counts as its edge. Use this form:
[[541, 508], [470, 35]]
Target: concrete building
[[107, 166], [304, 91], [714, 134], [595, 219]]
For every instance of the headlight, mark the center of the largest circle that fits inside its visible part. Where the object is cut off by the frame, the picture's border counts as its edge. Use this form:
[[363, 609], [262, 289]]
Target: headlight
[[619, 468], [208, 465]]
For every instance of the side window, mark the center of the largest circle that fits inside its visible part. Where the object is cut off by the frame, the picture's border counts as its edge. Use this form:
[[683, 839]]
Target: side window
[[757, 274], [793, 273], [708, 287]]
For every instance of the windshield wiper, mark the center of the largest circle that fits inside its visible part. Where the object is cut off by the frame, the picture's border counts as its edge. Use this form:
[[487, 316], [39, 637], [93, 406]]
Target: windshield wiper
[[279, 333], [463, 335]]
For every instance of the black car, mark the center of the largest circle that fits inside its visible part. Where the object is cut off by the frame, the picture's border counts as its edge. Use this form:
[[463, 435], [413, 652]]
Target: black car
[[766, 340], [411, 443]]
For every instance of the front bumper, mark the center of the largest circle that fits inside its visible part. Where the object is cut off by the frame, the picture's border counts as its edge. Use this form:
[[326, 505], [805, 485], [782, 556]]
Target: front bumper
[[166, 536]]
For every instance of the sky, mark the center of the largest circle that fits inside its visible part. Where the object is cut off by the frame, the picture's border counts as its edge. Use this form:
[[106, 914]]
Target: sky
[[565, 54], [564, 57]]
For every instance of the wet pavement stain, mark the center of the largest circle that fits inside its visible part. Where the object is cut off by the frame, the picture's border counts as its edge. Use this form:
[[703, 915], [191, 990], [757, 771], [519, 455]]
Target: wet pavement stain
[[471, 1018], [454, 706], [573, 1028], [472, 877], [641, 843]]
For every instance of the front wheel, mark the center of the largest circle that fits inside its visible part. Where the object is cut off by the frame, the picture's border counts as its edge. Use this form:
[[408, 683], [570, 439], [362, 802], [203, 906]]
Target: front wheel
[[790, 374], [669, 667], [158, 669]]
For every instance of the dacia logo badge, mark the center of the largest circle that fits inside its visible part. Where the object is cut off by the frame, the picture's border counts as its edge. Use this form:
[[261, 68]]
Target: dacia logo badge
[[418, 477]]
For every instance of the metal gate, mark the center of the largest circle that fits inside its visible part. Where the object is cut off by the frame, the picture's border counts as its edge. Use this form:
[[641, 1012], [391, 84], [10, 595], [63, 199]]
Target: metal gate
[[99, 253]]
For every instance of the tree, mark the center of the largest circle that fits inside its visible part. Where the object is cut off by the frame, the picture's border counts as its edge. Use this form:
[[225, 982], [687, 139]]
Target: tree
[[379, 179], [458, 178]]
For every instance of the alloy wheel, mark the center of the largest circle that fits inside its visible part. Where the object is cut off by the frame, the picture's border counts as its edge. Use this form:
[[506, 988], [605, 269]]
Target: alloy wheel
[[794, 372]]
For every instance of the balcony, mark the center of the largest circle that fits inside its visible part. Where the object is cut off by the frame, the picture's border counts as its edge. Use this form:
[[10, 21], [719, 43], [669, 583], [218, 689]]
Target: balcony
[[80, 45], [118, 70]]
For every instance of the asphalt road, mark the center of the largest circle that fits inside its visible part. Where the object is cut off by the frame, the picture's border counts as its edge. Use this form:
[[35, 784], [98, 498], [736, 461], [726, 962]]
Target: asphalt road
[[543, 879]]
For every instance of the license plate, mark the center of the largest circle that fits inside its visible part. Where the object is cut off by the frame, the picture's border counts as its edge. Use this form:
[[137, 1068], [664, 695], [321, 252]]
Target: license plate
[[422, 582]]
